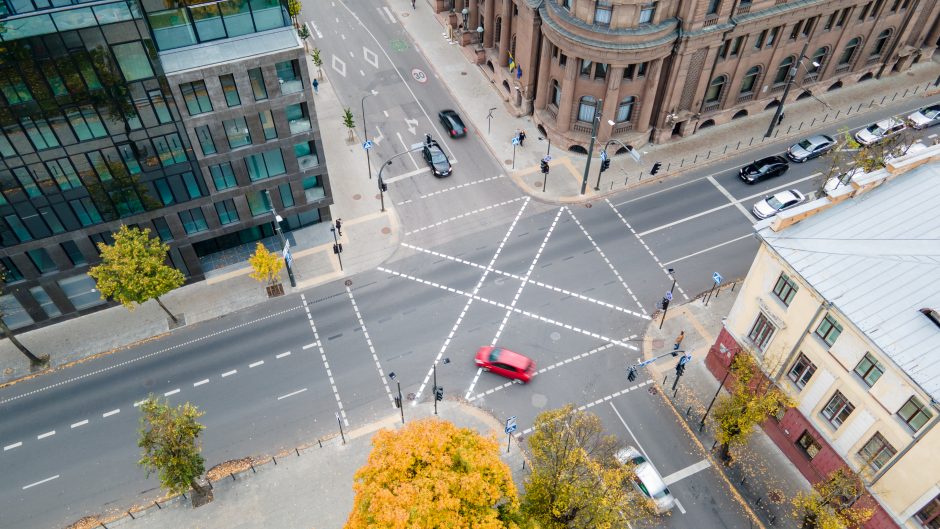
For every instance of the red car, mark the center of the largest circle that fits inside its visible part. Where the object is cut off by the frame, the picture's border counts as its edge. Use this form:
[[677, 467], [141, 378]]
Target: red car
[[506, 363]]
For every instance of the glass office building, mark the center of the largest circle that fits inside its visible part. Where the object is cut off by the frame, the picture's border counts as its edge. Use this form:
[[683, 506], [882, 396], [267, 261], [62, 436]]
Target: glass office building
[[191, 119]]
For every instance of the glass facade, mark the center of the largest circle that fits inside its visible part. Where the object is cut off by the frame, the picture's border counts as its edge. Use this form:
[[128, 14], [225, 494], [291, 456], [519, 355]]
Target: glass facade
[[179, 24]]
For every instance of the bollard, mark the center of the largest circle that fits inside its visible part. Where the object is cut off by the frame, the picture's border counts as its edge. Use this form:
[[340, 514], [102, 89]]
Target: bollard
[[859, 109], [883, 100], [252, 465], [849, 111], [298, 451], [688, 412], [184, 496], [102, 524], [664, 379], [871, 103], [916, 88], [759, 498], [209, 481], [709, 155], [696, 159], [895, 96], [905, 92], [682, 162], [813, 122], [800, 127], [739, 144], [714, 445], [773, 519], [825, 119], [231, 475], [837, 114], [674, 393], [523, 464], [611, 185], [701, 426], [319, 442], [732, 285], [726, 150], [129, 513], [668, 165], [274, 459], [789, 128], [777, 133], [641, 176], [742, 481], [155, 502]]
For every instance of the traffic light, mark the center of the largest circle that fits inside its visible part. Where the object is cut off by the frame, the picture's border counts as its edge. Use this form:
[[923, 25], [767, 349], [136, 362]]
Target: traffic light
[[631, 374], [382, 185], [338, 248], [680, 368], [398, 402], [544, 167], [439, 393], [605, 164], [656, 167], [665, 303]]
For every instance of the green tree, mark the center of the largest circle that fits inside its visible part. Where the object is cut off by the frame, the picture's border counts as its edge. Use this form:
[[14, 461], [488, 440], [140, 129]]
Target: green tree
[[349, 121], [833, 503], [303, 33], [576, 481], [266, 265], [317, 61], [34, 360], [169, 439], [431, 473], [134, 270], [294, 8], [747, 406]]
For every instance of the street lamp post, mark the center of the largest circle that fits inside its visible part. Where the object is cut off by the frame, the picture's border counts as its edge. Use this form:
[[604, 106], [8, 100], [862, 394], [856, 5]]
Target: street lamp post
[[587, 165], [786, 90], [629, 149], [668, 298], [434, 391], [280, 234], [400, 403], [365, 131]]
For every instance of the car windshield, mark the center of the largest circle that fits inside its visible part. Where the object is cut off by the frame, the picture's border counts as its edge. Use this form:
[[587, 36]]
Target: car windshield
[[774, 203], [438, 157], [806, 144], [931, 112], [876, 130], [494, 354], [661, 494], [639, 460]]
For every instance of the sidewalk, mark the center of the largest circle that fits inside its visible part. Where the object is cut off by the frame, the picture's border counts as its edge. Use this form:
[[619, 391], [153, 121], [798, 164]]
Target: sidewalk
[[761, 476], [307, 488]]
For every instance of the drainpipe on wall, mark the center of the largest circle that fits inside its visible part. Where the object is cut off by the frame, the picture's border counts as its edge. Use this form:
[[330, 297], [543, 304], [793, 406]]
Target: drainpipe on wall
[[724, 37]]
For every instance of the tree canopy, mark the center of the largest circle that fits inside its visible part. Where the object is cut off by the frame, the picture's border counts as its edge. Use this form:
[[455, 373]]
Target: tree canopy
[[169, 438], [834, 502], [430, 474], [576, 481], [265, 265]]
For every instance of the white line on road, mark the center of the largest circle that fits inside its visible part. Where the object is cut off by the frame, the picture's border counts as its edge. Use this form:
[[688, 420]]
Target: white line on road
[[375, 356], [416, 172], [173, 392], [201, 382], [282, 355], [445, 190], [12, 446], [721, 189], [79, 423], [309, 345], [40, 482], [326, 364], [604, 257], [139, 402], [256, 364], [583, 407], [679, 505], [229, 373], [686, 472], [388, 12], [710, 248], [299, 391], [110, 413], [467, 214], [316, 30], [44, 435]]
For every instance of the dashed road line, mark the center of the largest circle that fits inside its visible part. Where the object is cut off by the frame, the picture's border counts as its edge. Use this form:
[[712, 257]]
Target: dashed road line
[[604, 257], [201, 382], [139, 402], [110, 413], [326, 363], [173, 392], [614, 395], [449, 189], [256, 364], [40, 482], [291, 394], [467, 214], [12, 446], [309, 345], [79, 423], [229, 373], [44, 435], [648, 249], [282, 355]]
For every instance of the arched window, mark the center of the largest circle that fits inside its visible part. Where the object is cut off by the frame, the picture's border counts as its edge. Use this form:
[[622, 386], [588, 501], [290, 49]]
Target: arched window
[[784, 69], [750, 78], [625, 110], [880, 42], [556, 93], [849, 51], [587, 108], [715, 88], [819, 57]]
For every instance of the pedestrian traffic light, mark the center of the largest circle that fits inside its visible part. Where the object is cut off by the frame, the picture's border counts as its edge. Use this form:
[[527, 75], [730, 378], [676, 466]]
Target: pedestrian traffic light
[[338, 248], [680, 368], [439, 393], [665, 303], [605, 164], [631, 374], [544, 167], [383, 186], [398, 402], [656, 167]]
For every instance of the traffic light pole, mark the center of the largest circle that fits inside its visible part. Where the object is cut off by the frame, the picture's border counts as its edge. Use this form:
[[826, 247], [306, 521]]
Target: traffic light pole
[[629, 148], [631, 370], [587, 165], [434, 397], [386, 163]]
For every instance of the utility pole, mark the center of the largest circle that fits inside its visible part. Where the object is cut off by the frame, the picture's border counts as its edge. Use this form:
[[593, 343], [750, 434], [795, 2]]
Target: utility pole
[[399, 403], [437, 390], [365, 132], [786, 91], [587, 165]]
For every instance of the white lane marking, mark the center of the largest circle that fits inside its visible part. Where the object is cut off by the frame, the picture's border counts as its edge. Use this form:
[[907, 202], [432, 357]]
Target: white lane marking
[[229, 373], [201, 382], [407, 147], [40, 482], [710, 248], [256, 364], [519, 278], [139, 402], [604, 257], [679, 505], [721, 189], [282, 355], [388, 12], [338, 64], [932, 136], [648, 249], [44, 435], [686, 472], [110, 413], [145, 356], [370, 57], [375, 356], [173, 392], [416, 172], [467, 214], [446, 190], [583, 407], [79, 423], [309, 345], [316, 30], [291, 394], [326, 363], [12, 446]]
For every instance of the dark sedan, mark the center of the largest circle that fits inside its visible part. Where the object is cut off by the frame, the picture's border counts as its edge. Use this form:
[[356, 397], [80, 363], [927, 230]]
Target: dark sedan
[[764, 168], [810, 148], [452, 123], [436, 159]]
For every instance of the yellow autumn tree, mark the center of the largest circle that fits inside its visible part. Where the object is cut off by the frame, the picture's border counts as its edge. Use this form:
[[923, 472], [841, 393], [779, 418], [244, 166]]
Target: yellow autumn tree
[[833, 503], [431, 473], [265, 265]]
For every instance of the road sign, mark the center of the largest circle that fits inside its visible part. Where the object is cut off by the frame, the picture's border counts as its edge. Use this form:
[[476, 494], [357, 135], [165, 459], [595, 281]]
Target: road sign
[[668, 295], [419, 75], [716, 277], [547, 158], [511, 424], [367, 145], [515, 140], [603, 155], [633, 154], [685, 358]]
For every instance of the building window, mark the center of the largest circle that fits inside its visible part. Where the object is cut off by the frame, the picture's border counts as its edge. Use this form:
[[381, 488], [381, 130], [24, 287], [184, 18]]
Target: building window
[[193, 220], [13, 89], [843, 17], [237, 132], [625, 109], [914, 413], [786, 288], [808, 444], [170, 149], [288, 75], [586, 66], [759, 41], [784, 69], [713, 6], [565, 4], [39, 133], [230, 90], [86, 123], [869, 369], [876, 9], [819, 57], [82, 291], [132, 58], [196, 97], [258, 202], [802, 371], [313, 189], [641, 69], [864, 12], [715, 89], [647, 13], [929, 515], [42, 261], [74, 254], [265, 165], [556, 93], [602, 12], [773, 36], [562, 60], [736, 45], [829, 330], [880, 42], [298, 118], [761, 331], [256, 78], [162, 228], [287, 198], [226, 211], [830, 21], [877, 452], [267, 125], [837, 410], [587, 107], [22, 234], [85, 211], [159, 106], [45, 302], [808, 27], [750, 78], [894, 6], [306, 154], [9, 271], [796, 30], [849, 51], [222, 176], [205, 140], [14, 315], [600, 71]]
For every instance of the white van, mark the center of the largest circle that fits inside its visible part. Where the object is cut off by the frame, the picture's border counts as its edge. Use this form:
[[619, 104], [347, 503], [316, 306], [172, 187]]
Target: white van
[[647, 479]]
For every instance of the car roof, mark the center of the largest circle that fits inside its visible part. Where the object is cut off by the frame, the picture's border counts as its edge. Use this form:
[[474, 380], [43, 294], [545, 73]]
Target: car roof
[[820, 138], [789, 193], [449, 112], [509, 357], [771, 159], [888, 123]]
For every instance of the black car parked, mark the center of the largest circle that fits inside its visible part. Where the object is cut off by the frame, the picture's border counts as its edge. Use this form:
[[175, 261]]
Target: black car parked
[[768, 167]]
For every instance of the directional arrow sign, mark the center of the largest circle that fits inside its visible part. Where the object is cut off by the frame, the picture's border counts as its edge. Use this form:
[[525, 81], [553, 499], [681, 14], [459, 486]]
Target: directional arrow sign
[[716, 277], [412, 125], [367, 145], [603, 155]]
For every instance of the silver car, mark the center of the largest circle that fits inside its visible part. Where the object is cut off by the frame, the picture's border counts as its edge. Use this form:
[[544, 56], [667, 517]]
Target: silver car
[[810, 148], [876, 132], [925, 117], [647, 480], [774, 204]]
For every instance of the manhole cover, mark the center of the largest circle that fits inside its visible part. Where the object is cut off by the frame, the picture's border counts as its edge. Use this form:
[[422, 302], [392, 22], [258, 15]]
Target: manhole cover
[[658, 343], [653, 390], [386, 230], [538, 184], [348, 282], [357, 196], [555, 336], [411, 396], [463, 73]]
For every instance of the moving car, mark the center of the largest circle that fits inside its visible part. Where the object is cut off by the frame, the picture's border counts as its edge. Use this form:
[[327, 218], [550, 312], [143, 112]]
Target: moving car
[[810, 148], [647, 479], [436, 159], [880, 131], [764, 168], [452, 123], [507, 363], [774, 204], [925, 117]]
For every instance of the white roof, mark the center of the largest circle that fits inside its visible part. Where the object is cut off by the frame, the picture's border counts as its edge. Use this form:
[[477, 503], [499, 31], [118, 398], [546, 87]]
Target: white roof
[[876, 257]]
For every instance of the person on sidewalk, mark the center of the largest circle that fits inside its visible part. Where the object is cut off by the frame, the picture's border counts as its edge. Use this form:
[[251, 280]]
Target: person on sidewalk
[[316, 86], [521, 138], [339, 227], [678, 343], [413, 4]]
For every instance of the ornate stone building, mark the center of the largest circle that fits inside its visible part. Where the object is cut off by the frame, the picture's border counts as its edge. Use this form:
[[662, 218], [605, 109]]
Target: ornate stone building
[[666, 68]]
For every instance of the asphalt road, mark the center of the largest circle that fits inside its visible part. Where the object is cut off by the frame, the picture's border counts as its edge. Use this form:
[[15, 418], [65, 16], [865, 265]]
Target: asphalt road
[[480, 264]]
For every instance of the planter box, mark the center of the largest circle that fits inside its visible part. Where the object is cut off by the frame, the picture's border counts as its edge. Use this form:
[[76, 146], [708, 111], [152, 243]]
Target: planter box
[[275, 290]]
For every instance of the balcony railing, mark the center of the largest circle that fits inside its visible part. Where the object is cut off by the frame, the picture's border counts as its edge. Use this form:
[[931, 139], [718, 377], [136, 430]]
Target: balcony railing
[[582, 127], [744, 98], [711, 105]]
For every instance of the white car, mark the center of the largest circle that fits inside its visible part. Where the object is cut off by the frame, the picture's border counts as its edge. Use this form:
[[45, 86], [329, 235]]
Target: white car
[[876, 132], [647, 480], [925, 117], [774, 204]]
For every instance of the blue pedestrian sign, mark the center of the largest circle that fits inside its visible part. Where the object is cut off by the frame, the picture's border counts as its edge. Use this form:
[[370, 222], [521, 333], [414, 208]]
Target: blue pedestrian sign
[[367, 144], [547, 158], [603, 155], [511, 424], [716, 277], [668, 295], [515, 140], [685, 359]]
